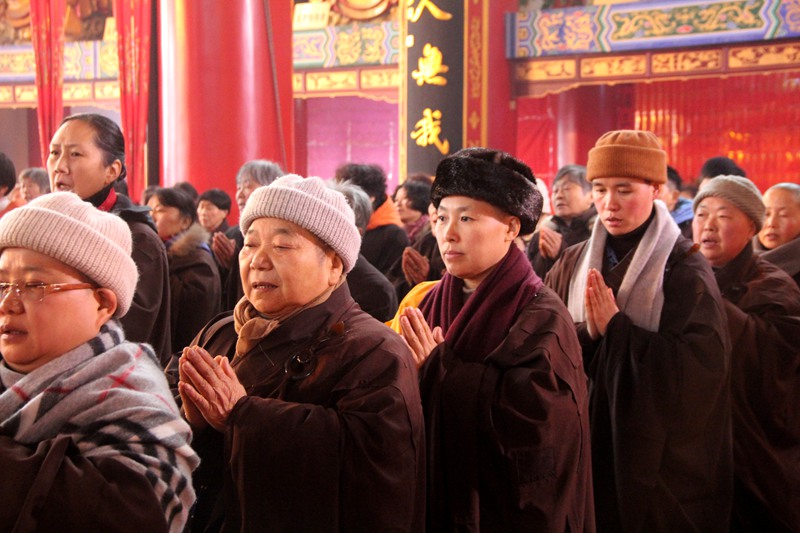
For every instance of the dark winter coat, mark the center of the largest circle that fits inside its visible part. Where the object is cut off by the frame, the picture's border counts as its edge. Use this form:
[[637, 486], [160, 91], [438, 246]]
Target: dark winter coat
[[763, 309], [371, 290], [660, 404], [330, 435], [194, 285], [148, 319], [384, 245], [576, 230]]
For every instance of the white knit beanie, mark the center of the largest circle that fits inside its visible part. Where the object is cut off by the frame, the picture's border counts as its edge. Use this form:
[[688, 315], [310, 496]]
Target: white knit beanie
[[64, 227], [311, 205]]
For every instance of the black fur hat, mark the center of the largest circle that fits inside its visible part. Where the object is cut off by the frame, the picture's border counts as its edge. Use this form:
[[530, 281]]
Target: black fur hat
[[494, 177]]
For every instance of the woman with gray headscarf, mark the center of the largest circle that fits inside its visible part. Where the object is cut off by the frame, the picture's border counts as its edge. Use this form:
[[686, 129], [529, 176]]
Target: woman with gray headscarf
[[306, 409]]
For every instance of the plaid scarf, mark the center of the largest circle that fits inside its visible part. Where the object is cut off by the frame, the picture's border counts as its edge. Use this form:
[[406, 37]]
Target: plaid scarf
[[111, 397]]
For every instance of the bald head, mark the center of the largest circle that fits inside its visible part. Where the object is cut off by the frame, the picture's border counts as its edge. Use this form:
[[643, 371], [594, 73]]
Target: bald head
[[782, 222]]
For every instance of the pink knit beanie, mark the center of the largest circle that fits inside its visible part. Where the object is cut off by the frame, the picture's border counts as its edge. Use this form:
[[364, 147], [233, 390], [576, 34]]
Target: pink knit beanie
[[64, 227], [311, 205]]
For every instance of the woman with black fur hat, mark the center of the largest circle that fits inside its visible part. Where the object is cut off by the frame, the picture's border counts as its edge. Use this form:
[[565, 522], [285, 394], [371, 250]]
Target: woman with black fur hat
[[501, 374]]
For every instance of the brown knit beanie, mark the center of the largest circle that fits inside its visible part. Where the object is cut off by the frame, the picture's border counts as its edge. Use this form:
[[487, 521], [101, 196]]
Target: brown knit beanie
[[739, 191], [311, 205], [64, 227], [628, 154]]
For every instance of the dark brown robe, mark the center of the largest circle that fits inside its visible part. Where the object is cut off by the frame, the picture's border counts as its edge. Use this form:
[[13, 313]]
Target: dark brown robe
[[660, 404], [763, 308], [330, 436], [576, 230], [507, 429]]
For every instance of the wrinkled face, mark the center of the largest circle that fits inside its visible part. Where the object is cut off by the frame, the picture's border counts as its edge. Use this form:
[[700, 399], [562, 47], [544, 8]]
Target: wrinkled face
[[404, 209], [782, 222], [569, 199], [30, 189], [284, 266], [721, 229], [34, 333], [168, 219], [243, 191], [623, 204], [473, 237], [76, 163], [209, 215]]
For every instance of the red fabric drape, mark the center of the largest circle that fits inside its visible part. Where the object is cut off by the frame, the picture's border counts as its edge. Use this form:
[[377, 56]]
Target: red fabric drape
[[751, 119], [133, 46], [47, 34]]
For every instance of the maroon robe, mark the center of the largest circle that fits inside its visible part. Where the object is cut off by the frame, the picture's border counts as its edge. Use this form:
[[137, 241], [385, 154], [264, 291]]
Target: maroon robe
[[763, 307], [506, 408]]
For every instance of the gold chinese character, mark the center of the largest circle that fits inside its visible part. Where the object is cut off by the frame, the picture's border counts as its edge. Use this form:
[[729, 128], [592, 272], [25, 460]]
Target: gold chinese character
[[415, 13], [427, 130], [430, 66]]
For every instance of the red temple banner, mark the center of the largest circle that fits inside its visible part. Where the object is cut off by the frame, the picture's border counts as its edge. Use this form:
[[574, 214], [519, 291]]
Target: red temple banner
[[47, 34], [133, 19]]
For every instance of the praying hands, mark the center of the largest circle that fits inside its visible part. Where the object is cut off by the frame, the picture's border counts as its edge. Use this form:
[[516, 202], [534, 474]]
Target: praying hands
[[418, 335], [601, 306]]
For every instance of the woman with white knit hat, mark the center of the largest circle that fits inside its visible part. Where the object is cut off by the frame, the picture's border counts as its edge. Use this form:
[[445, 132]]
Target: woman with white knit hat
[[762, 304], [90, 439], [306, 409]]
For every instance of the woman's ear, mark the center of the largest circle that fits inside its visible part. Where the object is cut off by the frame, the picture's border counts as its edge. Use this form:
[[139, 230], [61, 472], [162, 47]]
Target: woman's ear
[[113, 171], [514, 226], [337, 269], [107, 305]]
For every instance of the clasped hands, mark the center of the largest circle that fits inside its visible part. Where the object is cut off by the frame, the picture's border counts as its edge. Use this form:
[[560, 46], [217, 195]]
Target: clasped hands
[[208, 387], [418, 334], [601, 306]]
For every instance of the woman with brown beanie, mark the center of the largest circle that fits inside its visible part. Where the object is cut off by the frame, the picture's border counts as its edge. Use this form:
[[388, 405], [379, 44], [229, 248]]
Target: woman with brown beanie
[[501, 377], [308, 416]]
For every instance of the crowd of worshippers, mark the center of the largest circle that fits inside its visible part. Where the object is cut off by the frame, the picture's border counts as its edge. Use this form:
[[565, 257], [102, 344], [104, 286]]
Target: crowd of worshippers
[[442, 359]]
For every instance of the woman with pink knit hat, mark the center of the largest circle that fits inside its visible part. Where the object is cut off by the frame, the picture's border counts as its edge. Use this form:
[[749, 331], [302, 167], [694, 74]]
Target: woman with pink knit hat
[[306, 409], [90, 438]]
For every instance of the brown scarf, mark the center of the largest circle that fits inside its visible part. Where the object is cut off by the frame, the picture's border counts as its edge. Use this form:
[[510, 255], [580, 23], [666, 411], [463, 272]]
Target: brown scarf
[[252, 326]]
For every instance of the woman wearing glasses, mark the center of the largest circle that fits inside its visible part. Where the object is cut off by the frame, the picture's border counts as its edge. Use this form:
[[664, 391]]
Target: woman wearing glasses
[[90, 438]]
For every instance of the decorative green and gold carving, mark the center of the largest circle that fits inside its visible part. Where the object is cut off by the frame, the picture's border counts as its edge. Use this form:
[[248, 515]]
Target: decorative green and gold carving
[[332, 81], [681, 20], [380, 79], [430, 67], [427, 130]]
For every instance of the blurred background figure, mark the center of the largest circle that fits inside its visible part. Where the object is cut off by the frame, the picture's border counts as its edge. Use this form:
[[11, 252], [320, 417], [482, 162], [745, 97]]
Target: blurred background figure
[[679, 207], [226, 247], [719, 166], [8, 180], [33, 182], [572, 220], [779, 239], [385, 239], [412, 198], [213, 207], [193, 275]]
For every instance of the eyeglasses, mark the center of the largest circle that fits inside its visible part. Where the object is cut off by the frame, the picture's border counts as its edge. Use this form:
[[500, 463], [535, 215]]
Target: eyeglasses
[[34, 292]]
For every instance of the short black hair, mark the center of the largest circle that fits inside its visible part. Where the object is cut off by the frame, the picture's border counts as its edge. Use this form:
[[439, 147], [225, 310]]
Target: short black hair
[[218, 197], [172, 197], [370, 178], [418, 194], [188, 189], [8, 173], [674, 179], [721, 166]]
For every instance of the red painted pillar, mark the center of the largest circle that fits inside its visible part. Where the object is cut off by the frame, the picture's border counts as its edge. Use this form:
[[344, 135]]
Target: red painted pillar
[[219, 89]]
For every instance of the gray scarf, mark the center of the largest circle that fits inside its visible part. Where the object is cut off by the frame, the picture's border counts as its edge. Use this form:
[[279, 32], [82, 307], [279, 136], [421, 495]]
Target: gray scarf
[[641, 296]]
